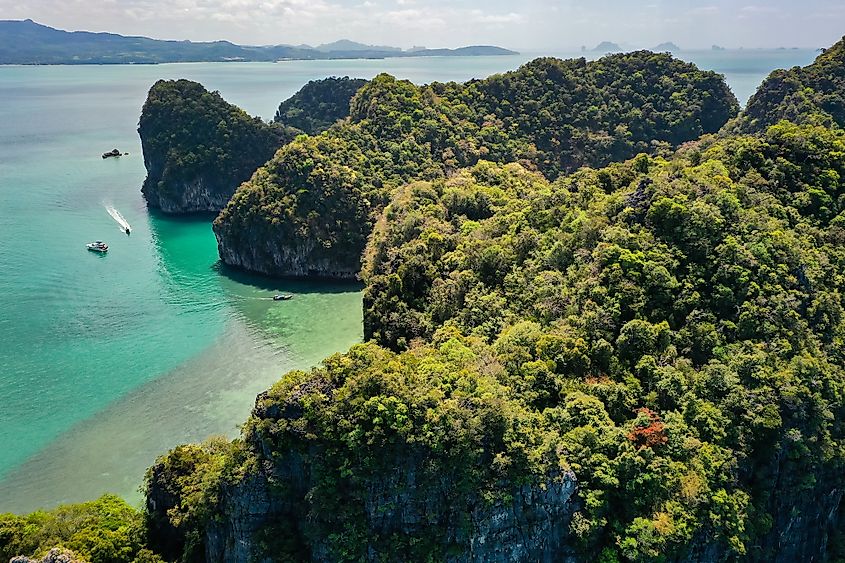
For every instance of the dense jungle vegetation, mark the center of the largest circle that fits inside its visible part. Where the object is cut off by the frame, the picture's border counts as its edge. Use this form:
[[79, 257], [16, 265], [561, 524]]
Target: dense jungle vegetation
[[552, 115], [663, 325], [191, 135], [319, 104], [668, 329]]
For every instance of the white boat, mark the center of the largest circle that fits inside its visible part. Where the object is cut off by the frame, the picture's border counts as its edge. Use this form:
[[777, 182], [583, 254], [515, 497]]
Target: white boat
[[97, 246]]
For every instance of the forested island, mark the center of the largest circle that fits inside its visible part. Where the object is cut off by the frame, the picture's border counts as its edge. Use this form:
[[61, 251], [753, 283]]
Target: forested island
[[603, 322], [25, 42], [198, 148]]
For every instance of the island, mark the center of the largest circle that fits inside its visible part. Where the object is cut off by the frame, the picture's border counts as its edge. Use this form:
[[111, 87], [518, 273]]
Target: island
[[666, 48], [27, 42], [624, 344], [607, 47], [198, 148]]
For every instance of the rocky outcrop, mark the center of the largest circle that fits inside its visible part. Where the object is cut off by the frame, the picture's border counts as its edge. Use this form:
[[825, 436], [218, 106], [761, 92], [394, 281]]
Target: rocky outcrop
[[198, 148], [300, 258], [532, 525], [315, 224], [806, 510], [199, 195], [55, 555], [804, 525]]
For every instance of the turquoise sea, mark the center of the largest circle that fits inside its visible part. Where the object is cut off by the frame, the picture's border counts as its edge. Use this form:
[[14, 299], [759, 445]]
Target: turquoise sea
[[108, 361]]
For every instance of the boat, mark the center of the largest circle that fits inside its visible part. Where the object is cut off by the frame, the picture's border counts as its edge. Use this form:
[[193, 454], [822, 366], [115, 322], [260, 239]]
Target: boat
[[97, 246], [128, 230], [282, 297]]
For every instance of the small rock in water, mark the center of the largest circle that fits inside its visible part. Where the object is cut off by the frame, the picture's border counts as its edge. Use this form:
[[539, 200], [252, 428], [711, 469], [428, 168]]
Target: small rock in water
[[113, 152]]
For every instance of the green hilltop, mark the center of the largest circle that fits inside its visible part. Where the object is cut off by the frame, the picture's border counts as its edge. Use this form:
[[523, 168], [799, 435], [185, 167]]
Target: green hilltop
[[811, 94], [554, 116]]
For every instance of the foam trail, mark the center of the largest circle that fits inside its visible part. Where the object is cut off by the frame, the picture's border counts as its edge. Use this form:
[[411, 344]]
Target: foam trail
[[115, 214]]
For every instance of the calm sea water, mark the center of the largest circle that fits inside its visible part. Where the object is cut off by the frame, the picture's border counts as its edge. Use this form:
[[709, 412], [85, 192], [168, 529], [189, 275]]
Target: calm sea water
[[107, 361]]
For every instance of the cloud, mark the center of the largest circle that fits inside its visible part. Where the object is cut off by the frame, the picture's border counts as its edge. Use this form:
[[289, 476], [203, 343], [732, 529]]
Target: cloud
[[705, 11], [754, 9], [511, 17], [412, 19]]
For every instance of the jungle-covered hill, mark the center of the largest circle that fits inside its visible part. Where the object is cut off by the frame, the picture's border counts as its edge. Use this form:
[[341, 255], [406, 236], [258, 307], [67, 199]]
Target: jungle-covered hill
[[309, 210], [319, 104], [665, 334], [811, 94], [198, 148]]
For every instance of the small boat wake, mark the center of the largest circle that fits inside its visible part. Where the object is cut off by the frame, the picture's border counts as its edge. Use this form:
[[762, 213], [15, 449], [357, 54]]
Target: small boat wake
[[115, 214]]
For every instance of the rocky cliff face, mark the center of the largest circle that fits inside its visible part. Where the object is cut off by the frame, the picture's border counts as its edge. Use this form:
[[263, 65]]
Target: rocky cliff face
[[806, 509], [55, 555], [299, 258], [805, 524], [195, 196], [198, 148], [532, 525]]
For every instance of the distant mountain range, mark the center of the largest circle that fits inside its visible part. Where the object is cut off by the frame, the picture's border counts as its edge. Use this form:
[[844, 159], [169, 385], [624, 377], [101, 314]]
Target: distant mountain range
[[28, 42]]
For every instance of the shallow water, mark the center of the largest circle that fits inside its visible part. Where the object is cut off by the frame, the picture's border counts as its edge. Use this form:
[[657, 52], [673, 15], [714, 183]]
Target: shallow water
[[107, 361]]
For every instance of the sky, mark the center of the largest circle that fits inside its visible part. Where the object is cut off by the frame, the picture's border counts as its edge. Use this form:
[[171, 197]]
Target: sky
[[525, 24]]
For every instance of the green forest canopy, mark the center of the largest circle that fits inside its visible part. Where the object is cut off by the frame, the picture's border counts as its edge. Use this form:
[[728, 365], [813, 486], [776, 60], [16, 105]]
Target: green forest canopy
[[552, 115], [669, 329]]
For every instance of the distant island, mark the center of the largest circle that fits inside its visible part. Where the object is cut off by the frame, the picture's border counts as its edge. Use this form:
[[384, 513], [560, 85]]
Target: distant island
[[607, 47], [717, 48], [668, 47], [28, 42]]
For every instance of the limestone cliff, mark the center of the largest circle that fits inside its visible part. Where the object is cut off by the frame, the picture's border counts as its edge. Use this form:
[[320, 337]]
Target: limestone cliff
[[316, 231], [533, 525], [198, 148], [334, 466], [55, 555]]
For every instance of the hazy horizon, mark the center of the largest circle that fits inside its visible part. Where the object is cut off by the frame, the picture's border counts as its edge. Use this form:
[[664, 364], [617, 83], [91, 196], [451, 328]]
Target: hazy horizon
[[533, 25]]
